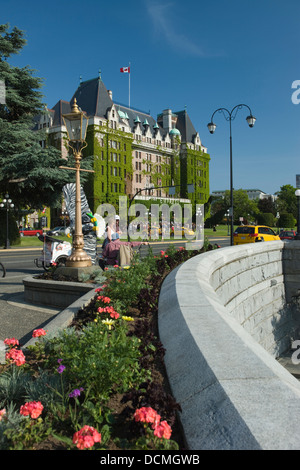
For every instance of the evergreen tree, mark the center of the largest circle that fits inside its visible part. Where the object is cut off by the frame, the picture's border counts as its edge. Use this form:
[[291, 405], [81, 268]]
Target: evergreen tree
[[28, 172]]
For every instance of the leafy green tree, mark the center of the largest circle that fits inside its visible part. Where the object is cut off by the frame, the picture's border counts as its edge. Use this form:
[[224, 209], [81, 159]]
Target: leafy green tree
[[28, 172], [242, 206], [267, 205], [286, 220], [286, 200]]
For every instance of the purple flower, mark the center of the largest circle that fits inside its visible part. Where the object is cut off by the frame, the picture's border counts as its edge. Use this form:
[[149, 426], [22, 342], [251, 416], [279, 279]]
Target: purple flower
[[61, 368], [76, 393]]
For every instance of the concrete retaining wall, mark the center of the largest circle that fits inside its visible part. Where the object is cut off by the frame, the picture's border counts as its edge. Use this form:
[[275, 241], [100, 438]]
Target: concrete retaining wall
[[222, 319], [53, 293]]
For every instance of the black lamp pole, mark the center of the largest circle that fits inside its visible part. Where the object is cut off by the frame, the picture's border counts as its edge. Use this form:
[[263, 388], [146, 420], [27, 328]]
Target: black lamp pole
[[230, 116], [297, 193], [7, 203]]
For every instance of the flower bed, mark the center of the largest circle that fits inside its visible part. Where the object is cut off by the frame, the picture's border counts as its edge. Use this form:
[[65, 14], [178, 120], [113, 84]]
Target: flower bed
[[101, 383]]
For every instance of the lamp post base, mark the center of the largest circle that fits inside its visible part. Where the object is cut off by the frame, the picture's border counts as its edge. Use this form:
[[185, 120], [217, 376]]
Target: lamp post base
[[79, 259]]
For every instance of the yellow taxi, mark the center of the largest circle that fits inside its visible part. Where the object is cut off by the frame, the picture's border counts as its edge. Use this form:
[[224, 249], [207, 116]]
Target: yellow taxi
[[184, 231], [253, 233]]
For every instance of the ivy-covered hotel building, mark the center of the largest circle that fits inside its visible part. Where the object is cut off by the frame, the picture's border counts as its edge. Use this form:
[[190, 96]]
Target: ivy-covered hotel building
[[132, 150]]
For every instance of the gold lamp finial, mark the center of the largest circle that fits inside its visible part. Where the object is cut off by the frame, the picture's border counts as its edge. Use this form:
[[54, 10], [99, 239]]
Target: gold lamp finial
[[75, 106]]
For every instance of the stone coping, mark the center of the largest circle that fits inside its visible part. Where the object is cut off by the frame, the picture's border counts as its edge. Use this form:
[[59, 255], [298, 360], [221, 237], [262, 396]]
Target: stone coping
[[234, 395]]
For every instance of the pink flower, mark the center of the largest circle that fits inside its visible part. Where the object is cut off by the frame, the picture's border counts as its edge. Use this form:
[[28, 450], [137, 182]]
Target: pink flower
[[162, 429], [11, 342], [16, 356], [32, 408], [39, 332], [104, 299], [2, 413], [114, 315], [86, 437], [99, 289], [146, 415]]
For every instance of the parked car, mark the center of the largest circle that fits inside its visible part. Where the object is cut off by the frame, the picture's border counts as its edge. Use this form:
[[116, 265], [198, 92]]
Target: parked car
[[56, 232], [30, 232], [287, 235], [253, 233]]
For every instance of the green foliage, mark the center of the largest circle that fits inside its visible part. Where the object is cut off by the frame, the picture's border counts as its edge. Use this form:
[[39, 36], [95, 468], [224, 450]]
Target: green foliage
[[286, 200], [286, 220], [105, 355], [13, 383], [99, 358], [264, 218]]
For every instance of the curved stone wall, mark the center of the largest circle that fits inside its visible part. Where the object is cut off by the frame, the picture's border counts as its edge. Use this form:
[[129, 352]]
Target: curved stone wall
[[223, 317]]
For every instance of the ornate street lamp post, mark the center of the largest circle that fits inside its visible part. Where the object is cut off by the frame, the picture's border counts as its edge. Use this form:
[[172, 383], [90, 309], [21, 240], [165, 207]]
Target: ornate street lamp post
[[230, 116], [7, 203], [76, 124]]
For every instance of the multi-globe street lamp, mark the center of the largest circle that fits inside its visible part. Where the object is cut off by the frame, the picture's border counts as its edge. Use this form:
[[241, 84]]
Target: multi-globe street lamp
[[230, 116], [76, 124], [7, 203]]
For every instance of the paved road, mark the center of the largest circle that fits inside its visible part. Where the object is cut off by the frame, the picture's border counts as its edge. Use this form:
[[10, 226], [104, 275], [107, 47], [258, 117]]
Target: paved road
[[18, 318]]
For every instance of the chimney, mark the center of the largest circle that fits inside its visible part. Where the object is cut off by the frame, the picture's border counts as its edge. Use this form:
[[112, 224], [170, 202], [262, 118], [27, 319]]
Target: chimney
[[167, 119]]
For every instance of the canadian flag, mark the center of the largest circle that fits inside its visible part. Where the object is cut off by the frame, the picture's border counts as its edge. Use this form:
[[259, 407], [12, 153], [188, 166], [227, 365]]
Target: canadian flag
[[125, 69]]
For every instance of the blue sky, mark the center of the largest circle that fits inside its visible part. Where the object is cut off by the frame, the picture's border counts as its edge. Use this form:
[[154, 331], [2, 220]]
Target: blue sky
[[198, 54]]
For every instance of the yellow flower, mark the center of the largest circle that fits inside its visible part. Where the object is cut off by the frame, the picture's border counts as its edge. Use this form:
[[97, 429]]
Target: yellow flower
[[128, 318], [108, 322]]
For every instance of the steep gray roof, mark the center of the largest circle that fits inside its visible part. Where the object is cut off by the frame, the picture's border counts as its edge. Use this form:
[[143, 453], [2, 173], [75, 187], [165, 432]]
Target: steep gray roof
[[61, 107], [93, 98], [185, 126]]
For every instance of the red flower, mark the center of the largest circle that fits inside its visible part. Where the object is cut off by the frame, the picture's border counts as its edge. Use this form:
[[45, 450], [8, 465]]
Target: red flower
[[114, 315], [11, 342], [146, 415], [104, 299], [162, 429], [39, 332], [32, 408], [15, 355], [86, 437]]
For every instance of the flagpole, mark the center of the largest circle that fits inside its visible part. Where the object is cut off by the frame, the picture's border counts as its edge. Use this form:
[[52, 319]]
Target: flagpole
[[129, 83]]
